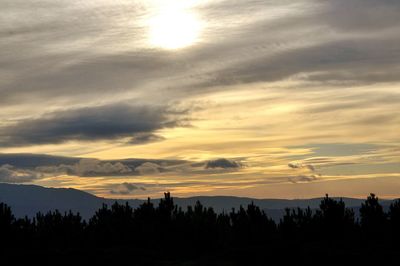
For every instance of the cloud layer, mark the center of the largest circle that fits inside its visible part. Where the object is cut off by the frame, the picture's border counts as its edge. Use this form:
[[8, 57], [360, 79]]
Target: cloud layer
[[110, 122], [301, 92]]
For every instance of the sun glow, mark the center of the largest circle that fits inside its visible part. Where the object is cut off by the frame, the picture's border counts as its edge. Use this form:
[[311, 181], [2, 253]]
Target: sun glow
[[174, 27]]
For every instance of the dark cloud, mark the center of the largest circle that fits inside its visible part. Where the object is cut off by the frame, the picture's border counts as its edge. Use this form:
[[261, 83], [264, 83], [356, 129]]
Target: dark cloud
[[149, 168], [89, 124], [40, 165], [143, 138], [19, 168], [88, 167], [161, 163], [223, 163], [31, 161], [10, 174]]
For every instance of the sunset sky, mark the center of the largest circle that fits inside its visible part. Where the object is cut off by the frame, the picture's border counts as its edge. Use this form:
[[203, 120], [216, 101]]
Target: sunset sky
[[265, 99]]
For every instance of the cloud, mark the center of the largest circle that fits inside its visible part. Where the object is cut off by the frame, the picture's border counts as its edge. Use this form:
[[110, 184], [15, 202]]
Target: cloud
[[333, 161], [362, 15], [126, 189], [88, 167], [342, 61], [244, 42], [303, 178], [223, 163], [307, 172], [31, 161], [148, 168], [109, 122], [144, 138], [10, 174], [297, 165], [41, 166]]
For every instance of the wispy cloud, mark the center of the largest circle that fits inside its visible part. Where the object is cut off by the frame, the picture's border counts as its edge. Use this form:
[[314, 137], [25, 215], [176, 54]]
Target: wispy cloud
[[274, 89]]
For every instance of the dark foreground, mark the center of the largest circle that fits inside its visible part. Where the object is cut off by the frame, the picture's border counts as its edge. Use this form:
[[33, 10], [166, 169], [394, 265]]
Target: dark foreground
[[167, 235]]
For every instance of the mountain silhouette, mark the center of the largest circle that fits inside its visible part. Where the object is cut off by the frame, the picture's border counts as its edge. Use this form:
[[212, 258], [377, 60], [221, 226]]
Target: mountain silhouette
[[30, 199]]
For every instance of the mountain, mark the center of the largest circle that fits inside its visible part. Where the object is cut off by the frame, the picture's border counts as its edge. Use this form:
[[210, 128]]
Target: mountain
[[30, 199], [27, 200]]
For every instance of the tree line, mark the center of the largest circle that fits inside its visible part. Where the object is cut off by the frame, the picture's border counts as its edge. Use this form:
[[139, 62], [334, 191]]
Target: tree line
[[167, 228]]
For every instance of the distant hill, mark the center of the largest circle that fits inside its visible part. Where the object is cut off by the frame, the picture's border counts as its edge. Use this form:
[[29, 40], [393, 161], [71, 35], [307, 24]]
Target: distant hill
[[30, 199]]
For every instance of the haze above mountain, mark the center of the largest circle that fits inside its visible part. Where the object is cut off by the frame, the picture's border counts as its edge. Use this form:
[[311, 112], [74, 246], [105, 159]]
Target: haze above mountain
[[27, 200]]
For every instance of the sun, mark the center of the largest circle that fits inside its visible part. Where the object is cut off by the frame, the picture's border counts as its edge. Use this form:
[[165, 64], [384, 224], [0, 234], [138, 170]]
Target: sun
[[174, 29]]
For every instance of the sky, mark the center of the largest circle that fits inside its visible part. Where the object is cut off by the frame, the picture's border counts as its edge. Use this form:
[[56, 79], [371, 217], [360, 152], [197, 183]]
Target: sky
[[263, 99]]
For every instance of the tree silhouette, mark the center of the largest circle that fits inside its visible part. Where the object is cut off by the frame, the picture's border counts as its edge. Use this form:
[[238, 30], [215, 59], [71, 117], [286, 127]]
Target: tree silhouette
[[6, 223], [298, 223], [394, 217], [112, 225], [6, 216], [334, 219], [373, 218], [169, 233]]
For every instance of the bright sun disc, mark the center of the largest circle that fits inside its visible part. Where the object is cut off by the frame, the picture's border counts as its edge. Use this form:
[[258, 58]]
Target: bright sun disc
[[174, 29]]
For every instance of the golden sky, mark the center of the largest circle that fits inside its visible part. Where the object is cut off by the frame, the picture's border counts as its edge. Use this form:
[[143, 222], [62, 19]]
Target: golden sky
[[265, 99]]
